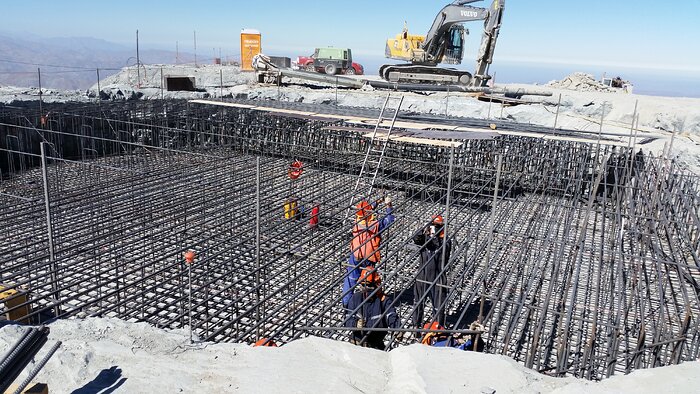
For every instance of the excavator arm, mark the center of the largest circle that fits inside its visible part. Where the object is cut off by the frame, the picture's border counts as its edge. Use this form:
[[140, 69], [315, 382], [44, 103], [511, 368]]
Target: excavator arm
[[488, 43]]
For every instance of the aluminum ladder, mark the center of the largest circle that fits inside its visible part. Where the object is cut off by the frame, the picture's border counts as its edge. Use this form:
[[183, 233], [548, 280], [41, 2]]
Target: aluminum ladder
[[376, 148]]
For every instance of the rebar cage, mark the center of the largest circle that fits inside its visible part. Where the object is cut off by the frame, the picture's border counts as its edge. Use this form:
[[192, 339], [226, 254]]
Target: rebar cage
[[579, 258]]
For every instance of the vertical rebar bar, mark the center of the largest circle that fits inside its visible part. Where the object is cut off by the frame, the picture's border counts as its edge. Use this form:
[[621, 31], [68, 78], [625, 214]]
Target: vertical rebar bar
[[257, 243], [489, 243], [189, 299], [446, 235], [49, 231]]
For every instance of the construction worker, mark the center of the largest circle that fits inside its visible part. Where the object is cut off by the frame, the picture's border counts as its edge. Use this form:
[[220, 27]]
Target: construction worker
[[430, 242], [443, 339], [369, 307], [365, 243]]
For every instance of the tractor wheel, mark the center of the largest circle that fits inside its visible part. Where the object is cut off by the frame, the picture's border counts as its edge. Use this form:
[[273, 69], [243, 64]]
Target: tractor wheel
[[331, 69]]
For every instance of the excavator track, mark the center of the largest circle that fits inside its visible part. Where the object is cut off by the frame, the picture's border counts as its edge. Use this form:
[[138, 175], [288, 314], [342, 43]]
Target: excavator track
[[424, 74]]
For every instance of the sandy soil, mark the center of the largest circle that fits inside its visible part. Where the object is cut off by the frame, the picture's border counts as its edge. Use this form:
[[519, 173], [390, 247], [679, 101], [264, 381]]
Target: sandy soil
[[98, 354]]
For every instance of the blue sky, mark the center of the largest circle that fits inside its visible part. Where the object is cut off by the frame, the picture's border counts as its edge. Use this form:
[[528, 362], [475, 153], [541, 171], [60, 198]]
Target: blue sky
[[622, 34]]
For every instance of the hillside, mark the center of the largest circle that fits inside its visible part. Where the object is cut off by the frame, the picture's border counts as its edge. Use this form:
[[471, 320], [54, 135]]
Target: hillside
[[68, 63]]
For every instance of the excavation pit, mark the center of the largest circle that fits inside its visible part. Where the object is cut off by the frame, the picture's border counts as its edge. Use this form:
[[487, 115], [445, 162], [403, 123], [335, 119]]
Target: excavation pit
[[583, 252]]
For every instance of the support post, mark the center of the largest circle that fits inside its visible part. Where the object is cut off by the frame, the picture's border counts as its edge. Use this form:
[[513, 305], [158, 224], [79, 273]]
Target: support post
[[162, 93], [138, 61], [556, 117], [488, 116], [221, 84], [447, 106], [41, 94], [99, 89]]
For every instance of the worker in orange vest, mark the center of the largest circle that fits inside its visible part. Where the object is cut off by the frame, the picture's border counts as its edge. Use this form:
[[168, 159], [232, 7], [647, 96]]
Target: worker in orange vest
[[365, 243]]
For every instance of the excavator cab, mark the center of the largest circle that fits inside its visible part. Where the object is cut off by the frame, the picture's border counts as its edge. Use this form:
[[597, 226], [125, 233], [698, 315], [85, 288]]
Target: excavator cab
[[454, 48]]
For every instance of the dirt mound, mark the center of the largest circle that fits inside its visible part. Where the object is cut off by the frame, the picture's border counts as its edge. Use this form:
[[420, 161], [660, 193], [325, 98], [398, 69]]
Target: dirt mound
[[581, 82]]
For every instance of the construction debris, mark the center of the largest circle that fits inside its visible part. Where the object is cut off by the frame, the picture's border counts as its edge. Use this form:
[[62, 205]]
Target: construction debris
[[582, 82]]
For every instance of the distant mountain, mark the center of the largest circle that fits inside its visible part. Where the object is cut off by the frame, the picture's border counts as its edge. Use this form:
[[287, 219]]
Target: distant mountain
[[70, 62]]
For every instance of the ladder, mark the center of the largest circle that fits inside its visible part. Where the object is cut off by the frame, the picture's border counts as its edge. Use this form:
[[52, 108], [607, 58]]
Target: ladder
[[375, 152]]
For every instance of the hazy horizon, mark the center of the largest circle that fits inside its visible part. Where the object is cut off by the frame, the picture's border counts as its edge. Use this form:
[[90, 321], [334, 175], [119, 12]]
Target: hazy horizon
[[647, 80]]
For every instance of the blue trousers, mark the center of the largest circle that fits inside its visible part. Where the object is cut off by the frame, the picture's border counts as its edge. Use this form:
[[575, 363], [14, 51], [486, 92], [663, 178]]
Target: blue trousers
[[353, 275]]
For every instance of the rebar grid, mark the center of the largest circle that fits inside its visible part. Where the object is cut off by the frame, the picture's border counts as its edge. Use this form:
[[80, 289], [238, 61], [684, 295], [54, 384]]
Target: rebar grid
[[584, 263]]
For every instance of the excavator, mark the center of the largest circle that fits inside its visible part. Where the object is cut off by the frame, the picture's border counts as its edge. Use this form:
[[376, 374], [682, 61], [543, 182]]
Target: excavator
[[444, 43]]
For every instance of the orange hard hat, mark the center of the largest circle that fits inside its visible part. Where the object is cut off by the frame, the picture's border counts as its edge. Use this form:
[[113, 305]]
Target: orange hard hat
[[189, 257], [370, 276], [265, 342], [364, 209], [432, 326], [437, 219]]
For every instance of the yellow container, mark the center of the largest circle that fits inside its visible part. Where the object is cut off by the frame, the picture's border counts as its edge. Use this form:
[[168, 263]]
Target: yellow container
[[250, 46], [290, 209], [20, 313]]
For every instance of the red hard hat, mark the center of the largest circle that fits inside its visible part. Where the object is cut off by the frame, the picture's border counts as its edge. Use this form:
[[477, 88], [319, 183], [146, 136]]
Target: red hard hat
[[189, 257], [295, 170], [364, 209], [437, 219]]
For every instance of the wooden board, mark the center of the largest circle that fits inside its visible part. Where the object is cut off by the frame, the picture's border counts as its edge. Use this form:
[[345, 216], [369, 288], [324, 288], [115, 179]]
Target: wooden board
[[222, 104]]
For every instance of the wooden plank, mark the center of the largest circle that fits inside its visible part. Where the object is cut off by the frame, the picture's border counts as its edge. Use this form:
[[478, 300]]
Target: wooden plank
[[285, 111], [415, 140], [584, 140], [221, 103]]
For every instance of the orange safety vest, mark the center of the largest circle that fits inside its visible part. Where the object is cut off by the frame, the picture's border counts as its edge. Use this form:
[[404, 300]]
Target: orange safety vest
[[365, 241]]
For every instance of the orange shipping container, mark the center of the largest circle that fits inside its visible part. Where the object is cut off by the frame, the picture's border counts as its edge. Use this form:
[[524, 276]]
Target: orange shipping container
[[250, 46]]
